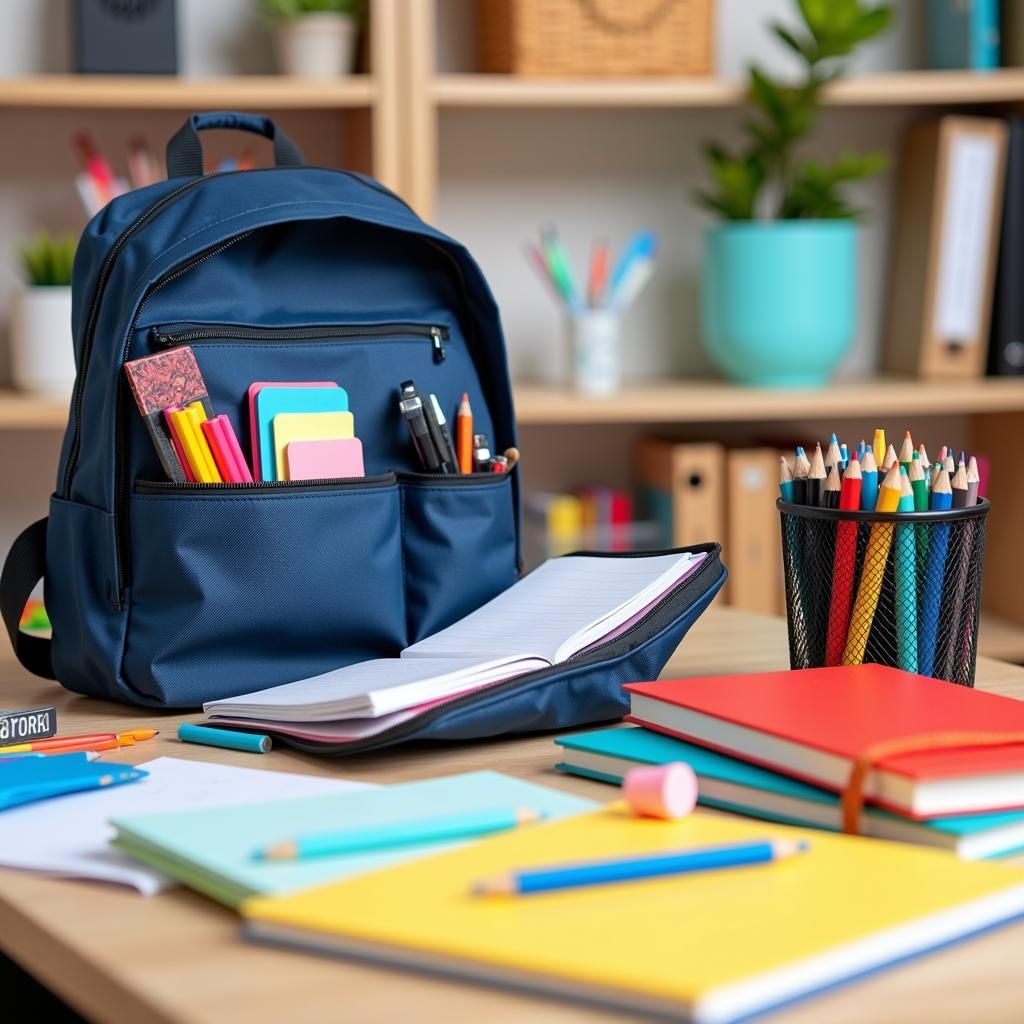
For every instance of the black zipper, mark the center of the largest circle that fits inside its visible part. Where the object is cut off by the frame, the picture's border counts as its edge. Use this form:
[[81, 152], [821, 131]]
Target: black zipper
[[188, 334], [447, 480], [595, 653], [107, 267], [350, 483]]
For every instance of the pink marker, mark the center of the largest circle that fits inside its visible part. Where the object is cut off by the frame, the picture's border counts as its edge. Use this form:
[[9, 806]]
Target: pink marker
[[190, 477], [226, 453], [661, 791]]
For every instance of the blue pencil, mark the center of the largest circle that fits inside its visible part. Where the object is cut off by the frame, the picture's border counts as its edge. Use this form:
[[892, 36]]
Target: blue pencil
[[869, 481], [905, 571], [935, 572], [628, 869]]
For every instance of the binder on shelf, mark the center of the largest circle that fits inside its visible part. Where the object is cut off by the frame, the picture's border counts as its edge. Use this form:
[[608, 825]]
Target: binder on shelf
[[1006, 341], [752, 539], [947, 231], [682, 487]]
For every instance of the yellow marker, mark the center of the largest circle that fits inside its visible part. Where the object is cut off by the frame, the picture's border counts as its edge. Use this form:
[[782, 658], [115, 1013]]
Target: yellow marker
[[197, 416], [874, 570], [878, 446], [194, 444]]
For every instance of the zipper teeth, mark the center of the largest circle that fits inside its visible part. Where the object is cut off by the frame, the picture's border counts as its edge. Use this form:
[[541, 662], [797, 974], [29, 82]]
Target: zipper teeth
[[168, 338], [411, 724], [247, 485]]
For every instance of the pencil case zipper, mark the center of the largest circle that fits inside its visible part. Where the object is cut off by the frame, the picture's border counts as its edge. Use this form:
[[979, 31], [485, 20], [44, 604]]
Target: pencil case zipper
[[350, 483], [695, 585], [189, 334]]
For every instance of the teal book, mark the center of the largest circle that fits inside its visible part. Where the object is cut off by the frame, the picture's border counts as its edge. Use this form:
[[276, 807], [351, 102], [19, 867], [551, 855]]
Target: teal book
[[26, 780], [212, 850], [733, 785], [963, 34]]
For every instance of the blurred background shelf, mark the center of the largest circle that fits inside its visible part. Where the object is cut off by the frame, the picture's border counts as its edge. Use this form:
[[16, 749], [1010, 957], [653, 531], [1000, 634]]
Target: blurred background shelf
[[27, 412], [149, 92], [1000, 638], [713, 401], [905, 88]]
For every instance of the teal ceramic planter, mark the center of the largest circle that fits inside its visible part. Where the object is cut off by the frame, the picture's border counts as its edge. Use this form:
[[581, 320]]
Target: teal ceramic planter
[[778, 299]]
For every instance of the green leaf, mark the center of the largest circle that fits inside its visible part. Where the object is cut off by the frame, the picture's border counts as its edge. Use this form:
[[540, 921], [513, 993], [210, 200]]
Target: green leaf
[[799, 47]]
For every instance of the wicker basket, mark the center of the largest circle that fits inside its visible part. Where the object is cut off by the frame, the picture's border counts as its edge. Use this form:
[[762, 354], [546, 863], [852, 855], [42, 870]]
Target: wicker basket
[[595, 37]]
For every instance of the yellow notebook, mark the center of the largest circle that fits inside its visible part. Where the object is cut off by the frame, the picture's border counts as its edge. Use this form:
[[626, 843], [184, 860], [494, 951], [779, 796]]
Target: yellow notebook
[[715, 947], [308, 426]]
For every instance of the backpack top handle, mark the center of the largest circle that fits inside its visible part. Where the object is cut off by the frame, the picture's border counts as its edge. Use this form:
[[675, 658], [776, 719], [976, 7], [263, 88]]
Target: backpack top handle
[[185, 150]]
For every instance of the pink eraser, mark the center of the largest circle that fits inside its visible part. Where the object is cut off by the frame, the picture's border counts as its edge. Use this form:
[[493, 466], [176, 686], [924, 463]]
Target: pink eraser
[[661, 790]]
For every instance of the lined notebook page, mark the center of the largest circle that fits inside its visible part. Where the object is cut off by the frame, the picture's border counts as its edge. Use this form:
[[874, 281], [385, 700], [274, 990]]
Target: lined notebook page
[[558, 609]]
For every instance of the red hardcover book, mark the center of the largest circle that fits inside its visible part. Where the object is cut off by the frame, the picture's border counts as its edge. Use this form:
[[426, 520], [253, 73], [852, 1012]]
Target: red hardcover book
[[812, 724]]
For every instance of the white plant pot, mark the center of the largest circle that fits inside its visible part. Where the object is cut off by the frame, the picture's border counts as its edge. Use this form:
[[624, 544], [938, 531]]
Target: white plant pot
[[42, 349], [316, 45]]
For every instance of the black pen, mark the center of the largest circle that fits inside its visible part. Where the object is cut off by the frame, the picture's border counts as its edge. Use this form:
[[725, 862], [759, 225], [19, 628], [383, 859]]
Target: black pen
[[411, 406], [430, 410]]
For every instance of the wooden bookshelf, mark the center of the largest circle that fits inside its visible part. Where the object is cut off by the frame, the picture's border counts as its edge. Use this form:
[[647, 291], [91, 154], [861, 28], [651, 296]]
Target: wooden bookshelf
[[712, 401], [29, 412], [165, 92], [1000, 638], [906, 88]]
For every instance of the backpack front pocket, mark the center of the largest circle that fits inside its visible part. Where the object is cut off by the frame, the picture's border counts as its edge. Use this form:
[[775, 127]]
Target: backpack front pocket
[[235, 588], [458, 536]]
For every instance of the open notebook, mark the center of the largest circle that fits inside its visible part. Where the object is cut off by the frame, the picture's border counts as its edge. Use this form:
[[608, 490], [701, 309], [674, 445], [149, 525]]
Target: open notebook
[[560, 610]]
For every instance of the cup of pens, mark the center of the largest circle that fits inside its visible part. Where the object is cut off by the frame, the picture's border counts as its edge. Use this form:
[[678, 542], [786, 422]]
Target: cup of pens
[[882, 557], [594, 320]]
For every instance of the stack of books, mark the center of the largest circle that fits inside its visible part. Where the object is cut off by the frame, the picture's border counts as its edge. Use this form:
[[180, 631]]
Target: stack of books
[[781, 746]]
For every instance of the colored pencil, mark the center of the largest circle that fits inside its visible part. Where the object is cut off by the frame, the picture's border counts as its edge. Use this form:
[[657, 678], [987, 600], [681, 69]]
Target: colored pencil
[[844, 457], [878, 447], [816, 479], [923, 452], [870, 588], [931, 599], [907, 450], [467, 825], [973, 481], [905, 573], [600, 265], [627, 869], [891, 459], [785, 479], [959, 486], [833, 485], [832, 454], [869, 487], [844, 566], [918, 484], [801, 467], [85, 741], [464, 435]]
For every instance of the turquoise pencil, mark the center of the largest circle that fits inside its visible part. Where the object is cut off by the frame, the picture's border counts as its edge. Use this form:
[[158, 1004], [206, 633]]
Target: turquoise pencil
[[935, 573], [869, 481], [905, 566], [400, 833]]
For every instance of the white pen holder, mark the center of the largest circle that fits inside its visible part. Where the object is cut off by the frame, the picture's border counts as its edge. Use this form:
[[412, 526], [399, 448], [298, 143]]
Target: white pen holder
[[596, 349]]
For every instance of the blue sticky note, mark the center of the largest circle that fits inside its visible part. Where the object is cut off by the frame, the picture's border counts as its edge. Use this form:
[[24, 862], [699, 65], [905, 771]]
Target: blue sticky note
[[271, 401]]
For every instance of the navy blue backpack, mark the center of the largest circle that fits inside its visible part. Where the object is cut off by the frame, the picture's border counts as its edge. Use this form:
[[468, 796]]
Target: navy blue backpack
[[167, 594]]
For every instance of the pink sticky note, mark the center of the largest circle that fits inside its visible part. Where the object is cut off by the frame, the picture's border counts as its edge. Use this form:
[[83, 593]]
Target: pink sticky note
[[324, 460], [254, 389]]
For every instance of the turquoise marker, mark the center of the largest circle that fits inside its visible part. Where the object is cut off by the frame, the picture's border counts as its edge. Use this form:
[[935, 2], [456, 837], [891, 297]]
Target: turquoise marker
[[251, 743]]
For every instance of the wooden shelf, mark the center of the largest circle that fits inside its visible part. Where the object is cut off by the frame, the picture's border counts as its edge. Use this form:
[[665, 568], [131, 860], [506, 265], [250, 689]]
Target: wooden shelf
[[906, 88], [1000, 638], [161, 92], [29, 412], [712, 401]]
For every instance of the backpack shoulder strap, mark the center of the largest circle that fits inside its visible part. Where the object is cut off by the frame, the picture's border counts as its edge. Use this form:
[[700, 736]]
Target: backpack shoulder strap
[[24, 568]]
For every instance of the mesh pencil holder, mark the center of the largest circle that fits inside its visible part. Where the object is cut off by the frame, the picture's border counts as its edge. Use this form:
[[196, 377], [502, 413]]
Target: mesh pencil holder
[[899, 589]]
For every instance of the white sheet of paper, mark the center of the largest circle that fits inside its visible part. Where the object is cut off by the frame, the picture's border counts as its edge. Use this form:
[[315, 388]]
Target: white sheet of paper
[[68, 836]]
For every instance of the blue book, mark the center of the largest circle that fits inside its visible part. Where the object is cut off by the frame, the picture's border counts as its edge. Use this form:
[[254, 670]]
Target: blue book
[[25, 780], [963, 34], [733, 785]]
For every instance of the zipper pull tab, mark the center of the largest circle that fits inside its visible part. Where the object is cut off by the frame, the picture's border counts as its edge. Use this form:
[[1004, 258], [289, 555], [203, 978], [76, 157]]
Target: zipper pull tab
[[437, 340], [158, 340]]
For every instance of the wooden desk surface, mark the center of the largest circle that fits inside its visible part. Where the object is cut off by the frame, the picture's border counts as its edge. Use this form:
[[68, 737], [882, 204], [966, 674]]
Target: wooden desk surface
[[118, 957]]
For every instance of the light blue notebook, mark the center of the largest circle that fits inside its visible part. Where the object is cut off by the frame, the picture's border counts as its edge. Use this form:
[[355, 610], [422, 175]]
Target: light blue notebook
[[734, 785], [211, 850], [270, 401]]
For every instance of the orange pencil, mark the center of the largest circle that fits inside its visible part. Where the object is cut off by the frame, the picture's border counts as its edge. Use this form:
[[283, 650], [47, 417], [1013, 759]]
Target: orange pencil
[[464, 435], [86, 741], [599, 264]]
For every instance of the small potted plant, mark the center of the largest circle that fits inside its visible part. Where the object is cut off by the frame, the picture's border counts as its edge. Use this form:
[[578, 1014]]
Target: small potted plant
[[315, 38], [779, 289], [42, 350]]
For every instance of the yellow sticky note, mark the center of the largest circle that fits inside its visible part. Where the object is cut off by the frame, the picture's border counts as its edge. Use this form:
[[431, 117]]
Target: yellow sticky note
[[308, 426]]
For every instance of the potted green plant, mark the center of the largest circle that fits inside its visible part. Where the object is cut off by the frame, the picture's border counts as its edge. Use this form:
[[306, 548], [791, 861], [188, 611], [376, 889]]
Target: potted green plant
[[42, 351], [315, 38], [779, 288]]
